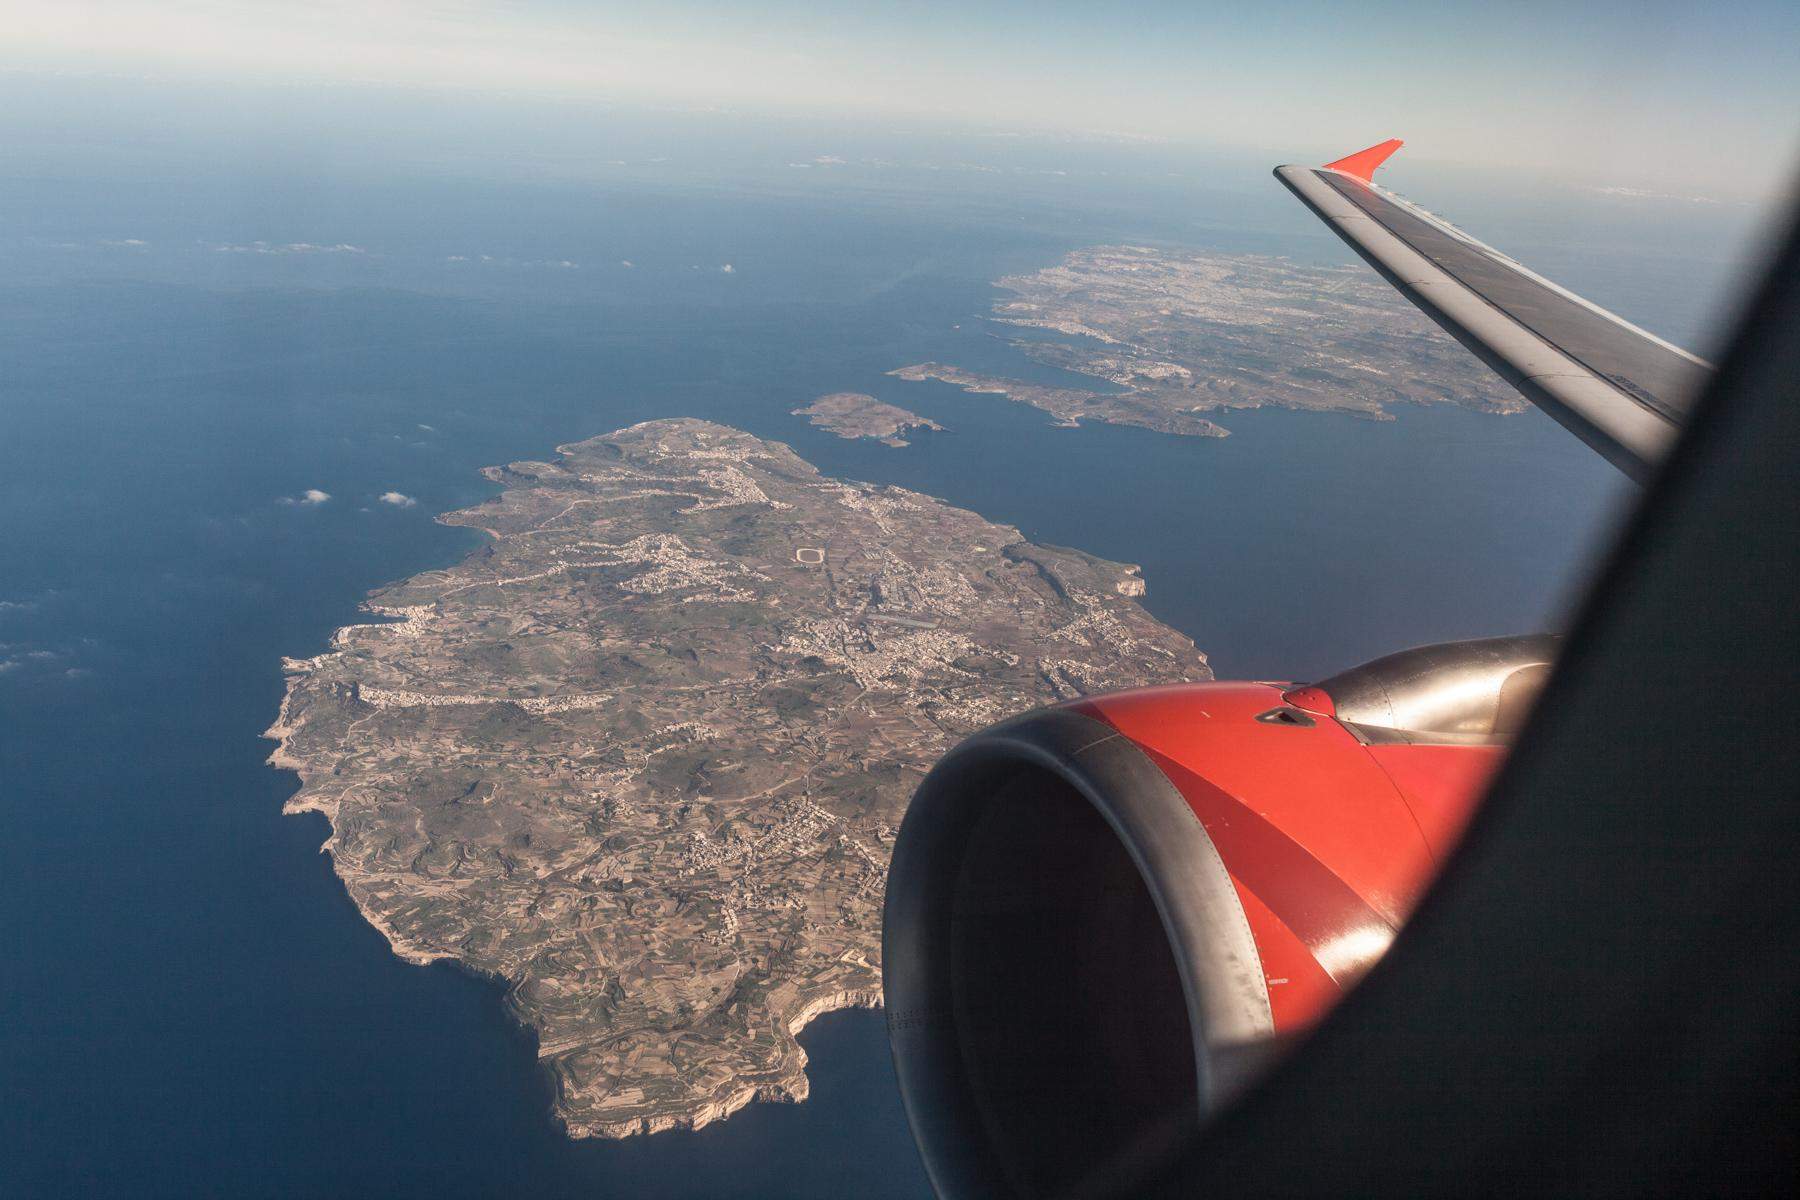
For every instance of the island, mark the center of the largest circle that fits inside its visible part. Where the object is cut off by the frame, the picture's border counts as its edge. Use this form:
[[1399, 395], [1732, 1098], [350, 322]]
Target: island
[[1152, 409], [641, 755], [855, 415], [1165, 335]]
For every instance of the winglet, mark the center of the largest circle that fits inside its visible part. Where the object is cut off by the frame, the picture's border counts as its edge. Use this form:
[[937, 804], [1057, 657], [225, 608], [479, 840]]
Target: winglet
[[1362, 164]]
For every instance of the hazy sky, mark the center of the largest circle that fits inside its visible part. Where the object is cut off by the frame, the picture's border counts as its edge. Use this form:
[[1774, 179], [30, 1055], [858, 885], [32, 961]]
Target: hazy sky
[[1689, 98]]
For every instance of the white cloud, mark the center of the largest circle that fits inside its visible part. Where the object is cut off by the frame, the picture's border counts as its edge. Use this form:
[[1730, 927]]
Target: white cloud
[[310, 496], [262, 247], [1634, 193], [398, 500], [134, 243], [627, 263], [726, 268], [20, 659]]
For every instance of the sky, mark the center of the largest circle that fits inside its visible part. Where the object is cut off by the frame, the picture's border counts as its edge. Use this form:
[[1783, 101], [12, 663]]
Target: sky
[[1682, 99]]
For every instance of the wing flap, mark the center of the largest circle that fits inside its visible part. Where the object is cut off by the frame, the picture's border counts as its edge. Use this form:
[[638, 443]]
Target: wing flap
[[1622, 390]]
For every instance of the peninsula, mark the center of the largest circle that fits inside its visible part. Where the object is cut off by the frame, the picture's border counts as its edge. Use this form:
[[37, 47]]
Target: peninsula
[[641, 755]]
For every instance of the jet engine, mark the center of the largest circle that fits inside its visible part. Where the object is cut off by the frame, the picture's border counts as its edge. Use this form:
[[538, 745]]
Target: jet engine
[[1105, 917]]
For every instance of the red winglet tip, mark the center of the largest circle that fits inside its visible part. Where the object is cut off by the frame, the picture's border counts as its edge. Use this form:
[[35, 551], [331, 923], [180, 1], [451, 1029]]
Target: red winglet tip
[[1362, 164]]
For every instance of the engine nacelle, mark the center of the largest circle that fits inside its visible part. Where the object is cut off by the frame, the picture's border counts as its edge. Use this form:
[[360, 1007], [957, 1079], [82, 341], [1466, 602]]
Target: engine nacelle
[[1104, 918]]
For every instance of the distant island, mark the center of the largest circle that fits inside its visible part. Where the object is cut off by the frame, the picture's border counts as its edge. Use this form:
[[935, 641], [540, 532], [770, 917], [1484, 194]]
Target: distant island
[[1169, 335], [641, 755], [856, 415]]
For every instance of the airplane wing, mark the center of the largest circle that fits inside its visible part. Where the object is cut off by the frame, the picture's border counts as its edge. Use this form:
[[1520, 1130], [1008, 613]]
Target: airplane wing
[[1623, 391]]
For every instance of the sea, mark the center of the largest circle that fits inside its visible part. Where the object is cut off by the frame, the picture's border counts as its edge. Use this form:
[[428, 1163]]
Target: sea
[[240, 374]]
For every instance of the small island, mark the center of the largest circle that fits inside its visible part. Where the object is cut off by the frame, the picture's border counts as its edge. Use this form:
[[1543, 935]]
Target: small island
[[855, 415], [642, 754]]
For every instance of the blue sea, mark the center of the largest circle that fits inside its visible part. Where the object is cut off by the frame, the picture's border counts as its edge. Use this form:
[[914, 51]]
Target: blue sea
[[196, 331]]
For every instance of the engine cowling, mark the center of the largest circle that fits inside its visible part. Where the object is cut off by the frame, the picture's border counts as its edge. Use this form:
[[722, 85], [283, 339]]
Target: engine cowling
[[1105, 918]]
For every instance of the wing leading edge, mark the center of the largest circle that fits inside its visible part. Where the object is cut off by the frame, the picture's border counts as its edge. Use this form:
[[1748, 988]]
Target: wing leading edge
[[1623, 391]]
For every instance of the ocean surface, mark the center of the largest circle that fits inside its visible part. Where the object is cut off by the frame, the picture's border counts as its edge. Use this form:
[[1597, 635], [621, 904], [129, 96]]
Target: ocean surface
[[189, 1004]]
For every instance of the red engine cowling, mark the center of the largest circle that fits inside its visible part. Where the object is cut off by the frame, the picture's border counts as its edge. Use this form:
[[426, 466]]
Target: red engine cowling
[[1102, 918]]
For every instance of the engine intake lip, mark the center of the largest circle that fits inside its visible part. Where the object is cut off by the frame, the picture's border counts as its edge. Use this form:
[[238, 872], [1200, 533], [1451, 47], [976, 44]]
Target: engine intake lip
[[1208, 936]]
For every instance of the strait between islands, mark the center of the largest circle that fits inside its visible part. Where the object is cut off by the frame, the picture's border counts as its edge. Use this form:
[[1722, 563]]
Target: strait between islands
[[641, 756]]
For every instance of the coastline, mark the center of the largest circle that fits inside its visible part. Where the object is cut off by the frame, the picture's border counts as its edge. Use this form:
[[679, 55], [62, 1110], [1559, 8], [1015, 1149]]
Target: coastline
[[789, 1085]]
